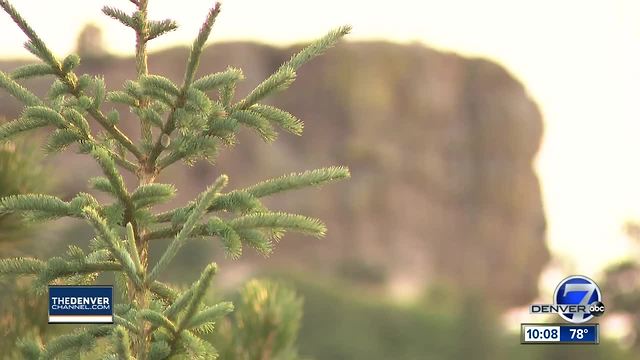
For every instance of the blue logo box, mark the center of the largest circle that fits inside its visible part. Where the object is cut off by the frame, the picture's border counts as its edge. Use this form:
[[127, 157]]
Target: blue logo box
[[80, 304]]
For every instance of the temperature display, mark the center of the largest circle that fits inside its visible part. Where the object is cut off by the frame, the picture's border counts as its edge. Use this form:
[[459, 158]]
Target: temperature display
[[559, 334]]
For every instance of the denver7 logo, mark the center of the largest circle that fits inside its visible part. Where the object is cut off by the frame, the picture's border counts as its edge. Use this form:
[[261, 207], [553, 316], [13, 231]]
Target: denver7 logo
[[577, 290]]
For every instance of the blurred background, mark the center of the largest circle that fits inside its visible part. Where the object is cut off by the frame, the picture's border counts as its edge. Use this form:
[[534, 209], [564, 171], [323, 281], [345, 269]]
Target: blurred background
[[492, 147]]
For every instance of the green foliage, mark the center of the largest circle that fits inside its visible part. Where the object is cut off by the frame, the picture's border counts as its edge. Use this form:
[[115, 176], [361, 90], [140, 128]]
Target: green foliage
[[31, 70], [264, 325], [297, 181], [279, 220], [279, 81], [15, 127], [23, 320], [215, 81], [21, 172], [343, 320], [283, 119], [121, 342], [121, 16], [157, 321], [17, 91], [317, 48], [151, 194], [48, 205], [195, 215]]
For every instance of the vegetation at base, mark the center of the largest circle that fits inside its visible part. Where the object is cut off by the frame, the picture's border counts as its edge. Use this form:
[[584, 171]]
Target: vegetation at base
[[341, 322]]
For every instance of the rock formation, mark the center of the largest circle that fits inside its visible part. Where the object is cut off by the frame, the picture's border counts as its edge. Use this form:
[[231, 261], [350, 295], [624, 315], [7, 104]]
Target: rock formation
[[440, 148]]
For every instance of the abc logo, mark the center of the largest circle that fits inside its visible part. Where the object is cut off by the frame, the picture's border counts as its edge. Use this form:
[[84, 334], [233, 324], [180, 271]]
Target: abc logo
[[582, 291], [597, 308]]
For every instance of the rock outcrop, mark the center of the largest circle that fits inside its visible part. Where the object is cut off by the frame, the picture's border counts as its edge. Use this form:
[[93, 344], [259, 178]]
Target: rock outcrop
[[440, 148]]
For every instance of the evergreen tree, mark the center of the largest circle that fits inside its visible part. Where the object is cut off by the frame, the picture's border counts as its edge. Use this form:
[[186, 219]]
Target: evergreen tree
[[21, 172], [185, 122], [264, 325]]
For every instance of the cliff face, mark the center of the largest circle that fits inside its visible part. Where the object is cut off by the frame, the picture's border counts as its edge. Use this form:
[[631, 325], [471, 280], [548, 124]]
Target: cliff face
[[440, 148]]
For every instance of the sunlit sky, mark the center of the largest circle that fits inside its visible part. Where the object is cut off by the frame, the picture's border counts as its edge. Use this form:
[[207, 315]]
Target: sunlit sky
[[579, 59]]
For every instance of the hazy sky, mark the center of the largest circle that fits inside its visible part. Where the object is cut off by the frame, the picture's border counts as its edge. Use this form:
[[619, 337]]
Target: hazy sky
[[580, 60]]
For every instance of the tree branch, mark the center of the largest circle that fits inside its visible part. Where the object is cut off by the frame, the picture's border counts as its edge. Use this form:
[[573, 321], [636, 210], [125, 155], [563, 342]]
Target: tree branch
[[67, 78], [194, 59]]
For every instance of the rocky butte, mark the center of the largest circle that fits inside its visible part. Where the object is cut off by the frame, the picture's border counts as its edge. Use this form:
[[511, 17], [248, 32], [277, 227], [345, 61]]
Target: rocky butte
[[440, 149]]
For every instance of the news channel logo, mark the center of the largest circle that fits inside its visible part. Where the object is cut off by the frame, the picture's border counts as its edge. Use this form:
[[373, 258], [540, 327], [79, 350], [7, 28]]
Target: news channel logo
[[577, 299], [91, 304]]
